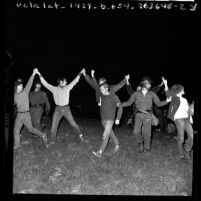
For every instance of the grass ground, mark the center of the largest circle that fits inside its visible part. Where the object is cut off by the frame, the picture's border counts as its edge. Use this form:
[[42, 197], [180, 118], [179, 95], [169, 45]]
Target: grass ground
[[69, 167]]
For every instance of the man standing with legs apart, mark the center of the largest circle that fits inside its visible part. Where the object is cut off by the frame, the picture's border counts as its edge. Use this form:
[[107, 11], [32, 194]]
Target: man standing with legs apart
[[21, 100], [109, 103], [181, 113], [143, 101], [38, 99], [61, 95]]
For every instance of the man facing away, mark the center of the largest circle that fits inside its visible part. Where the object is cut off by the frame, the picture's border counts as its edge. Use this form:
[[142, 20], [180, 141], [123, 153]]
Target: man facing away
[[61, 95], [180, 111], [23, 117], [109, 103], [143, 101], [38, 99]]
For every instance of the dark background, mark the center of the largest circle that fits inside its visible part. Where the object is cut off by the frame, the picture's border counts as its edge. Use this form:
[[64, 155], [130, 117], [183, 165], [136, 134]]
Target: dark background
[[113, 43]]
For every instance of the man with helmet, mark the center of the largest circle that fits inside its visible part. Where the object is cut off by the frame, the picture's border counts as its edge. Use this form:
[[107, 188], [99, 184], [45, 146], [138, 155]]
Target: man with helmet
[[38, 99], [143, 101], [109, 103], [23, 117], [113, 88]]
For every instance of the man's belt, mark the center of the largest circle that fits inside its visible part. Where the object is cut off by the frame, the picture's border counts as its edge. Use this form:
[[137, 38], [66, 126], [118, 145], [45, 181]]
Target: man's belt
[[144, 111], [61, 105], [23, 111], [37, 105]]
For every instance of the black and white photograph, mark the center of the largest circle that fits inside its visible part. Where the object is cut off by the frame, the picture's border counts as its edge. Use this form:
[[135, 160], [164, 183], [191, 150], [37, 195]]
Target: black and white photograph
[[101, 99]]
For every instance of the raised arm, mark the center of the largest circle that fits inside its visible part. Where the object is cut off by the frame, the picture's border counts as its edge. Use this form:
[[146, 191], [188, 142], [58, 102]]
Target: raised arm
[[30, 82], [130, 100], [94, 79], [117, 87], [129, 89], [89, 80], [168, 92], [44, 82], [76, 80]]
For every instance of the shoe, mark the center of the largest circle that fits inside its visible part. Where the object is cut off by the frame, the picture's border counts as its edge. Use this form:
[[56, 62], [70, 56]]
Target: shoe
[[17, 146], [147, 150], [45, 139], [187, 154], [116, 148], [81, 138], [97, 154], [141, 148]]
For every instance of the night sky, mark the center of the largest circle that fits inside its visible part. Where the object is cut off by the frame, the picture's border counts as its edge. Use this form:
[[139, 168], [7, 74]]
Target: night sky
[[113, 43]]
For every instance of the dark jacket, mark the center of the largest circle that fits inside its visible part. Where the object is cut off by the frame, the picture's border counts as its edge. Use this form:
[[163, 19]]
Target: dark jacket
[[174, 104]]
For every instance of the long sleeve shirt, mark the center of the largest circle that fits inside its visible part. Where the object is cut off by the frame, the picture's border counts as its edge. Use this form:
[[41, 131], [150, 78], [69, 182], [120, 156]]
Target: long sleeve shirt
[[113, 88], [130, 89], [144, 102], [109, 103], [178, 107], [60, 94], [39, 97], [21, 99]]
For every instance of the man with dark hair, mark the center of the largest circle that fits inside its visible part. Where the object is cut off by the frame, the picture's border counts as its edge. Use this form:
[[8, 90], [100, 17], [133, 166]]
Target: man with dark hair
[[61, 94], [38, 99], [143, 101], [113, 88], [109, 103], [21, 100], [181, 113]]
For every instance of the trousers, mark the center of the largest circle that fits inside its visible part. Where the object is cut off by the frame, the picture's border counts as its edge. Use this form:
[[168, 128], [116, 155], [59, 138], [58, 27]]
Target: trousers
[[36, 115], [142, 129], [107, 134], [182, 126], [63, 111], [24, 119]]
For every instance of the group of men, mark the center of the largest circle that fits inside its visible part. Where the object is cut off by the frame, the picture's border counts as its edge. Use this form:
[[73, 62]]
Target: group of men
[[143, 99]]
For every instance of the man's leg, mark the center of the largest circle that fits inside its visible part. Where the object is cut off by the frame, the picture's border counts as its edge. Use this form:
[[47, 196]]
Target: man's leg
[[27, 122], [69, 117], [189, 142], [36, 114], [180, 136], [34, 117], [17, 127], [146, 132], [106, 135], [115, 140], [55, 122], [137, 131]]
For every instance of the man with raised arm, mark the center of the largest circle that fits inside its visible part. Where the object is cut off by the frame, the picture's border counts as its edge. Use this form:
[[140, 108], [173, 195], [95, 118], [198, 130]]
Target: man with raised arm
[[38, 101], [130, 91], [180, 111], [109, 103], [21, 100], [113, 88], [143, 101], [61, 94]]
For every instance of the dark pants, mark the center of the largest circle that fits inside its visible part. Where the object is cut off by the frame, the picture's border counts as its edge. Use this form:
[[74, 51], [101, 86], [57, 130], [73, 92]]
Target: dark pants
[[59, 112], [108, 133], [182, 126], [24, 119], [36, 115], [142, 129]]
